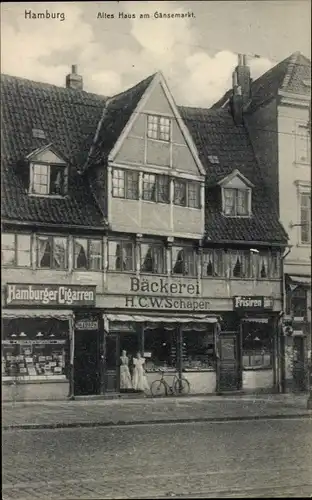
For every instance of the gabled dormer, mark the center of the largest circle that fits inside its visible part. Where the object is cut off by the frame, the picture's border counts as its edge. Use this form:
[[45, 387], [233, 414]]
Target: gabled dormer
[[236, 195], [48, 173]]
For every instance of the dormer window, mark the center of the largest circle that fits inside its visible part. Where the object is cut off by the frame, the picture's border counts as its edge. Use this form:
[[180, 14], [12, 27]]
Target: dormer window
[[158, 127], [48, 179], [236, 195], [236, 202]]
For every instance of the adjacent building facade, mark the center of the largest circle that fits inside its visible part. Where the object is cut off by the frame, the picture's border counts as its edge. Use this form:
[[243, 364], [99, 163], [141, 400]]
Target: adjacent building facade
[[132, 225], [276, 114]]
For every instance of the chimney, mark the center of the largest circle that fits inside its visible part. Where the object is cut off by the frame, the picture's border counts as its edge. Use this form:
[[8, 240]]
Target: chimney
[[241, 87], [73, 80]]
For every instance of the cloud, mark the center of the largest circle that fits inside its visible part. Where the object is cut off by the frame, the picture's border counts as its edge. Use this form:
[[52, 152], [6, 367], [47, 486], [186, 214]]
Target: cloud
[[44, 51]]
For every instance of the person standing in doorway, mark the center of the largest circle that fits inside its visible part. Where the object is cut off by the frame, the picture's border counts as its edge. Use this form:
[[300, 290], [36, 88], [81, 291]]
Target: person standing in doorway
[[139, 380], [125, 378]]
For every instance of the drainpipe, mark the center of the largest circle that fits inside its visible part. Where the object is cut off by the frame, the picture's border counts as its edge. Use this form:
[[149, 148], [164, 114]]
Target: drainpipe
[[283, 312]]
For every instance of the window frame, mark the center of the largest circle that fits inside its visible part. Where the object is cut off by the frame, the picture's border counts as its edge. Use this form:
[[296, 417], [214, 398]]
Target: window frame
[[304, 193], [248, 194], [195, 263], [125, 188], [299, 125], [16, 251], [89, 242], [214, 252], [155, 245], [134, 256], [156, 194], [48, 167], [51, 238], [187, 185], [157, 130], [244, 254]]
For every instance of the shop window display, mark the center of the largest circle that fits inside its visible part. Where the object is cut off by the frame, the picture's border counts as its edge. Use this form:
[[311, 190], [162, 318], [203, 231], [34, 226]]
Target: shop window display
[[34, 349], [160, 347], [257, 344], [198, 350]]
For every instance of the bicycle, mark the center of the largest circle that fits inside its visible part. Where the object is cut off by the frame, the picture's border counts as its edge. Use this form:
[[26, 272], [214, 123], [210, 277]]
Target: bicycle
[[161, 387]]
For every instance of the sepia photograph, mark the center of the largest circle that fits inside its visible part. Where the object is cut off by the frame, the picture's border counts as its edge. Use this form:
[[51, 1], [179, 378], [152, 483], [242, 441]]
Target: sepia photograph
[[156, 249]]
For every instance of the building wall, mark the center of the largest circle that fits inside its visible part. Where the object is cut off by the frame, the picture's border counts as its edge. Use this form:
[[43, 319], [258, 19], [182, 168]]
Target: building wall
[[292, 175], [262, 127]]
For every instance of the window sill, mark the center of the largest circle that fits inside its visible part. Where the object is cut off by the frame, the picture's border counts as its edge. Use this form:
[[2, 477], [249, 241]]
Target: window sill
[[198, 370], [304, 245], [85, 270], [162, 141], [53, 196], [51, 269], [115, 271], [301, 163], [257, 368], [14, 266], [125, 198], [237, 216], [186, 206], [157, 202]]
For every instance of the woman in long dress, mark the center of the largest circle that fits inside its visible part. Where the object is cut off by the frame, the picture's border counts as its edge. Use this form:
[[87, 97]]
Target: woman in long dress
[[125, 378], [139, 380]]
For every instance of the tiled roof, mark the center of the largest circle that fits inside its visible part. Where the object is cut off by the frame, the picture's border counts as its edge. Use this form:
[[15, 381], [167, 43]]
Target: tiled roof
[[68, 119], [291, 75], [215, 133], [115, 116]]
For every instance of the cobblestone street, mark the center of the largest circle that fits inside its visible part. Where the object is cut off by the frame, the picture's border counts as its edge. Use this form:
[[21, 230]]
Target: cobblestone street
[[250, 459]]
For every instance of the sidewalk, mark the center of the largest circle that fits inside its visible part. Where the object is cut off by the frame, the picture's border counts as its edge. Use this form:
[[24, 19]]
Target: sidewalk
[[90, 413]]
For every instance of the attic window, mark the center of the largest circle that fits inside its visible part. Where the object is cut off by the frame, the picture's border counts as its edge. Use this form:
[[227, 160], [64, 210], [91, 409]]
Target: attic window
[[38, 133], [158, 127], [48, 179], [213, 159], [236, 202]]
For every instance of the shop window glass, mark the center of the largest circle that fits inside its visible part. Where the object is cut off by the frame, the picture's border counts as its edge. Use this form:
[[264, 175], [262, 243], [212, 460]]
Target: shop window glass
[[257, 345], [240, 264], [121, 256], [35, 349], [298, 301], [212, 263], [184, 261], [198, 350], [52, 252], [153, 258], [160, 344], [16, 250], [87, 254]]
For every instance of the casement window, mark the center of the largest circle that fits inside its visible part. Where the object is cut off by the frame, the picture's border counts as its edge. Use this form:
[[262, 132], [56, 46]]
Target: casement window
[[303, 148], [52, 252], [212, 263], [121, 256], [153, 258], [184, 261], [48, 180], [275, 266], [236, 202], [87, 254], [187, 194], [15, 250], [125, 184], [263, 265], [156, 188], [240, 264], [158, 127], [305, 218]]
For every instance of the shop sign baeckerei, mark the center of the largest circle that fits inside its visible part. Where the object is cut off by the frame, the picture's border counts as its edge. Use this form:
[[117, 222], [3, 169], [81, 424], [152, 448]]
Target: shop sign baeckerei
[[22, 294], [162, 293]]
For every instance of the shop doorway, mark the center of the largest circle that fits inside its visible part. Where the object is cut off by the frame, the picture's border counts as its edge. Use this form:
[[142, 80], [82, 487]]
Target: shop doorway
[[87, 363], [229, 371], [111, 383], [299, 375]]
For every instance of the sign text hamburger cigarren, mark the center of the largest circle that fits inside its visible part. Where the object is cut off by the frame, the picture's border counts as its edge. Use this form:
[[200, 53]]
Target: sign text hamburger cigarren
[[19, 294]]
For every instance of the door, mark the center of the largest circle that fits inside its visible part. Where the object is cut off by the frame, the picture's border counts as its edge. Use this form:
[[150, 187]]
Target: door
[[299, 376], [87, 363], [111, 378], [229, 373]]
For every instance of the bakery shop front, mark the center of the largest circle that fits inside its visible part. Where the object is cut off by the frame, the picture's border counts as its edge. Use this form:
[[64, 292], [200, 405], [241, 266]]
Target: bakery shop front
[[38, 330]]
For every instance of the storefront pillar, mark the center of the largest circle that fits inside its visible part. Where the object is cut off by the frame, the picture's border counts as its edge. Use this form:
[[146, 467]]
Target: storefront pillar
[[104, 333], [179, 350], [71, 356]]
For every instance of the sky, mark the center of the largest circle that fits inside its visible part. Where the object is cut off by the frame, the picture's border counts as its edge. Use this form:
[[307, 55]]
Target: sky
[[196, 54]]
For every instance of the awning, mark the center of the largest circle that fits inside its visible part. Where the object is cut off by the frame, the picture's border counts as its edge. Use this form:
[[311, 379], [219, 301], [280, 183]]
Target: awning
[[255, 320], [63, 315], [300, 280], [196, 318]]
